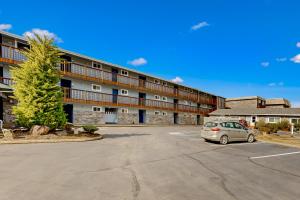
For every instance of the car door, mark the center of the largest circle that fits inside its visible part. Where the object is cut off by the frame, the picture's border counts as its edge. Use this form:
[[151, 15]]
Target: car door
[[231, 131], [241, 132]]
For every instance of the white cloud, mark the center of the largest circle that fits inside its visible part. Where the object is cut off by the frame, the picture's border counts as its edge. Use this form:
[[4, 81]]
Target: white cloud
[[199, 25], [5, 27], [41, 32], [283, 59], [265, 64], [138, 62], [296, 59], [298, 44], [276, 84], [177, 79]]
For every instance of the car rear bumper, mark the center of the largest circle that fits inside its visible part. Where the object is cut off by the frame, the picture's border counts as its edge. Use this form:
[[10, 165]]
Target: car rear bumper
[[211, 136]]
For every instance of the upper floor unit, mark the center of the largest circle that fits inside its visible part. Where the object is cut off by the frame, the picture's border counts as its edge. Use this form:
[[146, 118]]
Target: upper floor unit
[[81, 67]]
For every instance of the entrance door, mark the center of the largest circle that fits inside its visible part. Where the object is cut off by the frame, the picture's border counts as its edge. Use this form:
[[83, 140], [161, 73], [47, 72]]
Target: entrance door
[[66, 84], [198, 119], [111, 115], [175, 104], [142, 116], [142, 99], [142, 81], [68, 108], [175, 118], [114, 77], [115, 93]]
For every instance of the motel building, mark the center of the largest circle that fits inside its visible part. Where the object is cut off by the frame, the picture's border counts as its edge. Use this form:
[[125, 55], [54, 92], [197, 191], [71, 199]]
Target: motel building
[[97, 92]]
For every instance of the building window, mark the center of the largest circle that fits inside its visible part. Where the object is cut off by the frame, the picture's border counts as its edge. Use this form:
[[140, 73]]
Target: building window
[[274, 119], [96, 65], [164, 113], [124, 92], [253, 119], [164, 98], [295, 121], [96, 88], [156, 112], [97, 109], [124, 73], [165, 84], [124, 110], [156, 81], [186, 102], [156, 97]]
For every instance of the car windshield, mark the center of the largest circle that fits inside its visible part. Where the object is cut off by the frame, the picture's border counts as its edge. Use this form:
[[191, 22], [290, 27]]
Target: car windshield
[[211, 124]]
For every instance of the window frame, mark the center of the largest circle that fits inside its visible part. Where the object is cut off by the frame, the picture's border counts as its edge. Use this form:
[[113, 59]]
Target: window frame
[[98, 107], [164, 98], [275, 121], [100, 86], [158, 99], [124, 72], [164, 113], [127, 92], [156, 112], [124, 109]]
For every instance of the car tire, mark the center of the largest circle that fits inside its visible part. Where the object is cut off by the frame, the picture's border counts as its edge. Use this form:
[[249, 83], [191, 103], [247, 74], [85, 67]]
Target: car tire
[[224, 140], [251, 138]]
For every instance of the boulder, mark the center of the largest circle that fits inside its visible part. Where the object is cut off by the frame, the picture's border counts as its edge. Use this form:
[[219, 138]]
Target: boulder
[[37, 130]]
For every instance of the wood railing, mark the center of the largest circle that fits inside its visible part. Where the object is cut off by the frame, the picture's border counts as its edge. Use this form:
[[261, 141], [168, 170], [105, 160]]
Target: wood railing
[[81, 71], [103, 99], [6, 81], [13, 55]]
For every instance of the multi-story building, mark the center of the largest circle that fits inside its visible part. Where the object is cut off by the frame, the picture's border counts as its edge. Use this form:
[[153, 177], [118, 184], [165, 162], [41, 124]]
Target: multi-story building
[[98, 92]]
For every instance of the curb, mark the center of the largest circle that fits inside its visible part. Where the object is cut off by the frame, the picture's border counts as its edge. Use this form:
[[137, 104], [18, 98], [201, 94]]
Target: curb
[[279, 143], [50, 140]]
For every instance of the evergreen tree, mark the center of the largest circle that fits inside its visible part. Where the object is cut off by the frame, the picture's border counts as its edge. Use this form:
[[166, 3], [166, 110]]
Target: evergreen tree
[[36, 87]]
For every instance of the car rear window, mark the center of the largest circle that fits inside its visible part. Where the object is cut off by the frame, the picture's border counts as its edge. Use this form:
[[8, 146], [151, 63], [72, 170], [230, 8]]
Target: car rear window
[[211, 124]]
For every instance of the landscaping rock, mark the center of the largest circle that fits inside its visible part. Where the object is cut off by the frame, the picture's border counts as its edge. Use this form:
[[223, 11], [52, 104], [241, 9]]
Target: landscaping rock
[[8, 134], [39, 130], [69, 127]]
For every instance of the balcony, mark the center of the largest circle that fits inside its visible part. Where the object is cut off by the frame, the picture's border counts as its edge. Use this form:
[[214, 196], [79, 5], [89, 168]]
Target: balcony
[[13, 55], [103, 99], [6, 81]]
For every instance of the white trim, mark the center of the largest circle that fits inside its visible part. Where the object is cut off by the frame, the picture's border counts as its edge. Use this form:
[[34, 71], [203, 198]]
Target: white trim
[[274, 120], [124, 110], [98, 90], [124, 72], [97, 107], [123, 90], [156, 97], [164, 113], [157, 112]]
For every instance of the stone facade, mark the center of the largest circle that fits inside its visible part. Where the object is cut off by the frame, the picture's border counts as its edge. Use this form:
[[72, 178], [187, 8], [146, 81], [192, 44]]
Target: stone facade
[[8, 117], [159, 119], [187, 118], [128, 118], [88, 117]]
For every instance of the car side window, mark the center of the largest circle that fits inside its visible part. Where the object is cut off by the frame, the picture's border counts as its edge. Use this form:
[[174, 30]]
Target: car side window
[[229, 125], [238, 126]]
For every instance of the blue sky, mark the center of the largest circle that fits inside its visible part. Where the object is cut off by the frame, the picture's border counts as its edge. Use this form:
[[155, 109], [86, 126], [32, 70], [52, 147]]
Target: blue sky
[[227, 47]]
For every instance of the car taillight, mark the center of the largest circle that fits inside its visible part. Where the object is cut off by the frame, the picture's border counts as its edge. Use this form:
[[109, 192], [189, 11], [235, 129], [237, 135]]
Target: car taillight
[[215, 129]]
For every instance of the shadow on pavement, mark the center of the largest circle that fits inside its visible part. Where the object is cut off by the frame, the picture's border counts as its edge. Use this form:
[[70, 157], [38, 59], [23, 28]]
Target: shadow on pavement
[[124, 135]]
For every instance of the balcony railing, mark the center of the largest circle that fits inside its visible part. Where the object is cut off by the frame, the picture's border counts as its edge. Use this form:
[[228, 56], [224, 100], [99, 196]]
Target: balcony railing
[[96, 98], [6, 81], [13, 55]]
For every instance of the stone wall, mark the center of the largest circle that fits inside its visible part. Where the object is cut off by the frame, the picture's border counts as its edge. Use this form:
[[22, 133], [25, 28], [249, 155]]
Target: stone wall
[[251, 103], [128, 118], [187, 119], [8, 117], [88, 117], [159, 119]]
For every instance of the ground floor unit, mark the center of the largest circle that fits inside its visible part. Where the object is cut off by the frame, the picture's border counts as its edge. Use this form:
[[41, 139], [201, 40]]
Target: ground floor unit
[[253, 115]]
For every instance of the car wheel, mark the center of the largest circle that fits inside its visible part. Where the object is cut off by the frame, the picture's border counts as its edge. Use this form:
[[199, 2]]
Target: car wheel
[[224, 139], [251, 138]]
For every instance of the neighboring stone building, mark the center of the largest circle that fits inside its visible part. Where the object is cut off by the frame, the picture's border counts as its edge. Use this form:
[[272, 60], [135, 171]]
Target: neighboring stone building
[[98, 92], [245, 102], [252, 115], [278, 103]]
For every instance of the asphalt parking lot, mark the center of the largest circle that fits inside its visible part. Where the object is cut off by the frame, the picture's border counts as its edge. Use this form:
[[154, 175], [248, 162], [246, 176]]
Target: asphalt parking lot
[[150, 163]]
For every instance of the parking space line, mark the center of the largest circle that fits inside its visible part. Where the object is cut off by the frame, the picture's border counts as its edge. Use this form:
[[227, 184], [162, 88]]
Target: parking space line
[[275, 155]]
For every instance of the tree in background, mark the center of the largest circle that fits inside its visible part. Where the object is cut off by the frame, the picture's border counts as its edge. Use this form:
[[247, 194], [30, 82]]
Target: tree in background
[[36, 87]]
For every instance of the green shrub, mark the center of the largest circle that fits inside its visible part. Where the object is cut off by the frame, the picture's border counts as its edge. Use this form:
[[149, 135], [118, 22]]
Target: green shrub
[[261, 126], [284, 125], [273, 127], [90, 128]]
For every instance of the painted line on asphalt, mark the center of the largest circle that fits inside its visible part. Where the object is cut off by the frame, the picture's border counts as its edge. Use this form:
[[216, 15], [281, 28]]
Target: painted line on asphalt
[[276, 155]]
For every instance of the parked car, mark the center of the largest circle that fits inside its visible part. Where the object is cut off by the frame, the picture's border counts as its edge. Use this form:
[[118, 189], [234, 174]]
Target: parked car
[[226, 131]]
